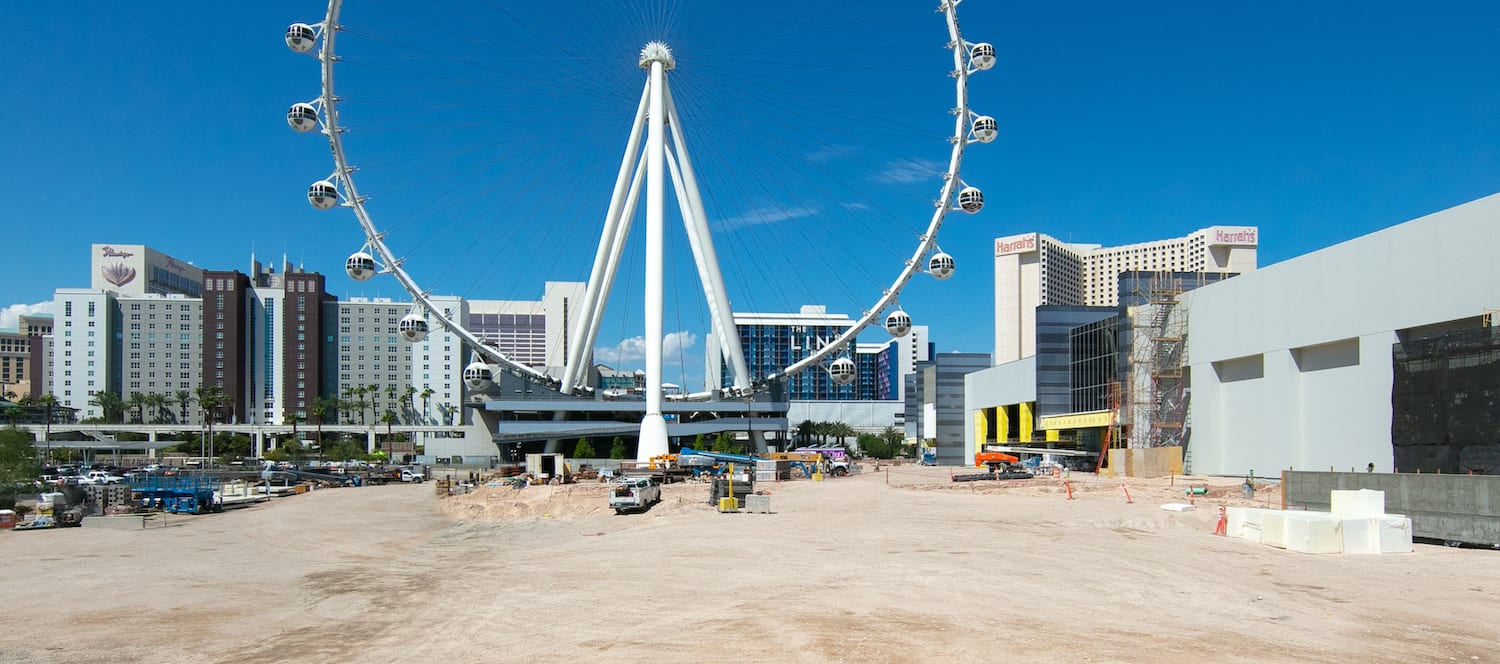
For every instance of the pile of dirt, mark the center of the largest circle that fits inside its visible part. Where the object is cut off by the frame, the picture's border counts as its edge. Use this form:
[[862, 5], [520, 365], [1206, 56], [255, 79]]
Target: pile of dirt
[[566, 502]]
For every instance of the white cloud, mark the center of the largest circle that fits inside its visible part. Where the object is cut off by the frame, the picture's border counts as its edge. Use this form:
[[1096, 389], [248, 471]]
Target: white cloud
[[907, 171], [831, 152], [766, 215], [673, 347], [11, 315], [855, 206]]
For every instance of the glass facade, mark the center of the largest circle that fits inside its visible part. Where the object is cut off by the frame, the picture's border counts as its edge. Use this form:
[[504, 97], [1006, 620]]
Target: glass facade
[[1096, 357], [771, 348], [1054, 360], [166, 282]]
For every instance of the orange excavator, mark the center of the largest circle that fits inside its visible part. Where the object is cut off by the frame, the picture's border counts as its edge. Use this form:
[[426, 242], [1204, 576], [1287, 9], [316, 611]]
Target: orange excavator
[[997, 461]]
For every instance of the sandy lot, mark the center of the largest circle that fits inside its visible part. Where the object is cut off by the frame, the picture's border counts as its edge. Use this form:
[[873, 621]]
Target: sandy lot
[[849, 570]]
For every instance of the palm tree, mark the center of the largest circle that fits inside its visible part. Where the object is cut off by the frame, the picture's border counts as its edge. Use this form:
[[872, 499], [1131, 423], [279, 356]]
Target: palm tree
[[295, 417], [209, 400], [840, 431], [447, 412], [427, 393], [10, 396], [409, 402], [893, 437], [49, 402], [805, 431], [137, 403], [374, 392], [358, 394], [157, 402], [388, 419], [319, 411], [14, 412], [111, 405], [822, 429], [184, 401], [346, 404]]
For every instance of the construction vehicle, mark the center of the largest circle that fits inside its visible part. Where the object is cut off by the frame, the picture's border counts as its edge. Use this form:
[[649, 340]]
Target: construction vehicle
[[393, 474], [929, 456], [179, 494], [998, 461], [837, 461], [702, 463], [808, 463], [633, 493]]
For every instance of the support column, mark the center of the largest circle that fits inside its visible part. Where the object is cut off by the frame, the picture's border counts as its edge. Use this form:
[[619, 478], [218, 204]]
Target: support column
[[370, 441], [653, 439]]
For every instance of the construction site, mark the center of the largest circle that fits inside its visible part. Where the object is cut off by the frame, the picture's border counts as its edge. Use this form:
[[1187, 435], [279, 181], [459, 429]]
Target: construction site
[[898, 564]]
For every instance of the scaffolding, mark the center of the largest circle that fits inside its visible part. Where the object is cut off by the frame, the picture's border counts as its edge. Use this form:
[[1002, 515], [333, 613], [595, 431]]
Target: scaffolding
[[1158, 383]]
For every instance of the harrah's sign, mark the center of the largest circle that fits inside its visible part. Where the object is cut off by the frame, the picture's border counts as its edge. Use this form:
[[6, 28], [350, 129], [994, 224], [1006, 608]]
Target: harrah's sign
[[1234, 236], [1015, 244]]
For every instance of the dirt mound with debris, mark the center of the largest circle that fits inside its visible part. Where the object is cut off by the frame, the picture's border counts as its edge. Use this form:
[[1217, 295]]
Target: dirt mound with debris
[[567, 502], [1219, 490]]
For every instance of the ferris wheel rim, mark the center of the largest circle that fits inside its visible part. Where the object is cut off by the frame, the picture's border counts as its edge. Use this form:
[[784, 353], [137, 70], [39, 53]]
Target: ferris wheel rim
[[928, 244], [964, 66], [374, 239]]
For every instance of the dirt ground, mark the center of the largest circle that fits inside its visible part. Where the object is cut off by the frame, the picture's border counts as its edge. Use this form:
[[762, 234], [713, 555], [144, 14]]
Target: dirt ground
[[898, 567]]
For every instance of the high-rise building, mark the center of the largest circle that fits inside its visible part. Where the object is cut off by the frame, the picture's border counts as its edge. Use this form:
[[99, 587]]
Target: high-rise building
[[161, 352], [935, 405], [85, 352], [41, 365], [437, 364], [534, 333], [370, 352], [135, 269], [774, 341], [17, 370], [1033, 269]]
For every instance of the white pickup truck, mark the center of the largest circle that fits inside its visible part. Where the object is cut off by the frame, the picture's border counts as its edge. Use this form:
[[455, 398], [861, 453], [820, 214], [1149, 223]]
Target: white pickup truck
[[633, 493], [99, 477]]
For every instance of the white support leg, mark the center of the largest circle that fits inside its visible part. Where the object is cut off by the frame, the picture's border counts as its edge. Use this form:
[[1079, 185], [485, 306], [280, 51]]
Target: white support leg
[[696, 220], [612, 266], [653, 440], [587, 326]]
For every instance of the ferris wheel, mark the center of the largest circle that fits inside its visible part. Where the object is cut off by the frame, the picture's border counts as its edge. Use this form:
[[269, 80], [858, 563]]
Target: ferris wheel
[[656, 159]]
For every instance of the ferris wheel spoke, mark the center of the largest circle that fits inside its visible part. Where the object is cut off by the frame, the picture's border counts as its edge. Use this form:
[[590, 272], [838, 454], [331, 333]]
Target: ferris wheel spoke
[[849, 160]]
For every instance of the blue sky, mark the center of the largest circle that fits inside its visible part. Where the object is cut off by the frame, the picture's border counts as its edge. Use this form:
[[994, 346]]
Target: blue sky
[[488, 140]]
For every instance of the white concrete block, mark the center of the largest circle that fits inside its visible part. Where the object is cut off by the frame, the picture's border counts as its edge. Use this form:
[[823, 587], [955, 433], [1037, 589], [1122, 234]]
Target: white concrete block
[[1253, 520], [1273, 529], [1313, 532], [1395, 533], [1361, 534], [1364, 502], [1237, 517]]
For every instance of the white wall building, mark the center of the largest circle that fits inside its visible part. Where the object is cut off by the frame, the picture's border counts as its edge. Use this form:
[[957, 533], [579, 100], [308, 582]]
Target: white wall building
[[135, 269], [1292, 365], [84, 358], [532, 332], [438, 363], [1033, 269]]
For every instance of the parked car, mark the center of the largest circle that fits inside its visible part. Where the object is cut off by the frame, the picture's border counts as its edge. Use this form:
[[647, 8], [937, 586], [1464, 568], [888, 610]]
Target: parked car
[[100, 477]]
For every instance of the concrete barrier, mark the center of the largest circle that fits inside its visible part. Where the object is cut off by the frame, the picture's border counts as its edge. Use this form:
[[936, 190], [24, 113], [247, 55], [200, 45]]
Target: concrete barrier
[[1459, 508]]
